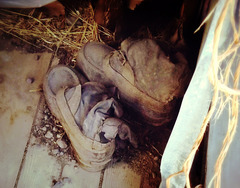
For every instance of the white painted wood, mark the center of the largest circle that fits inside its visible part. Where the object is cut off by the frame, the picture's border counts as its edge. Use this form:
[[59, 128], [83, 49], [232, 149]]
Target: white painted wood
[[79, 177], [40, 168], [121, 175], [19, 73]]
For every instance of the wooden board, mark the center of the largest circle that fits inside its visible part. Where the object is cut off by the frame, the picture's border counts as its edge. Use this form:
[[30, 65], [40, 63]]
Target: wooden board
[[19, 73]]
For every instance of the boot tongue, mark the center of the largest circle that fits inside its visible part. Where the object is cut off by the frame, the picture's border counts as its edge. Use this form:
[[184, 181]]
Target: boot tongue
[[119, 63]]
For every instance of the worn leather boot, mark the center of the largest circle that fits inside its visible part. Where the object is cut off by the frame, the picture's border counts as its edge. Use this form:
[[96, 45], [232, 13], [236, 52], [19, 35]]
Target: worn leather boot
[[146, 78]]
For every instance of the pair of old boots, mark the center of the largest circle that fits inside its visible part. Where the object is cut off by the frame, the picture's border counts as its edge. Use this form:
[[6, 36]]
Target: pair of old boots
[[144, 79], [148, 79]]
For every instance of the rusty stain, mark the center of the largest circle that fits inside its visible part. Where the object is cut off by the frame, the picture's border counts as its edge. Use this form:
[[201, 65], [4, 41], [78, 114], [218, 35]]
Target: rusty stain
[[16, 114], [13, 117], [29, 109], [2, 78], [3, 110]]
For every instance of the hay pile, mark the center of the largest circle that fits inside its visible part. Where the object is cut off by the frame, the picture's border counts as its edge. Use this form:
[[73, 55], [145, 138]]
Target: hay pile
[[35, 28]]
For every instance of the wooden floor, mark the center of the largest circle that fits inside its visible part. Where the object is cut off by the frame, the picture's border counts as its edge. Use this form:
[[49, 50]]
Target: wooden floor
[[34, 153]]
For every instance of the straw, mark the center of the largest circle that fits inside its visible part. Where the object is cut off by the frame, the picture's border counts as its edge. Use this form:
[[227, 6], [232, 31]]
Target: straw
[[40, 31]]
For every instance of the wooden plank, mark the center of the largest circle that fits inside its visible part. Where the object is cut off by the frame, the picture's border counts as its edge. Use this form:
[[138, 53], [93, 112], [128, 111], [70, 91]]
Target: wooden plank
[[40, 169], [121, 175], [80, 178], [19, 73]]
